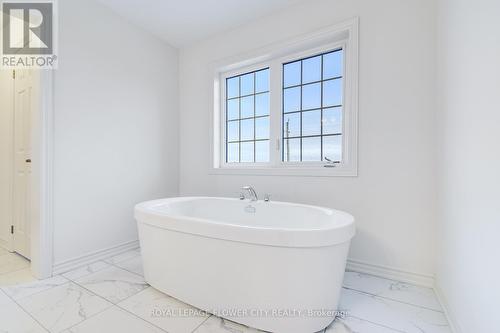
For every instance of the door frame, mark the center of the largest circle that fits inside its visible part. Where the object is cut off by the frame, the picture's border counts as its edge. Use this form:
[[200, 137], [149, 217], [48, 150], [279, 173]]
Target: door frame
[[42, 224]]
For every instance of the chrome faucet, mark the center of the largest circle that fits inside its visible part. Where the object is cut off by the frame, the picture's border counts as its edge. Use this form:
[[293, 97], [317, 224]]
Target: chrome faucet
[[251, 191]]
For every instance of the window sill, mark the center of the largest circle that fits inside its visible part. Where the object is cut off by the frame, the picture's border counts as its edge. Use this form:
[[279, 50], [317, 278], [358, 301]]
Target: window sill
[[339, 171]]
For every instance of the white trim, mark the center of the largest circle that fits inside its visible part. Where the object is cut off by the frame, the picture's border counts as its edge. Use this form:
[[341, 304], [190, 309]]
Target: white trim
[[408, 277], [390, 273], [450, 317], [222, 124], [345, 34], [43, 152], [68, 265]]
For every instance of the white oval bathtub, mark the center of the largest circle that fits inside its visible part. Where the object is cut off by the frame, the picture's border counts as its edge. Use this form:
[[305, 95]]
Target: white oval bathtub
[[274, 266]]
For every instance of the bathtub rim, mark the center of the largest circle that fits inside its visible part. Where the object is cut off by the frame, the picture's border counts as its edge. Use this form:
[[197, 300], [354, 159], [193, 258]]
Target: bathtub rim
[[279, 237]]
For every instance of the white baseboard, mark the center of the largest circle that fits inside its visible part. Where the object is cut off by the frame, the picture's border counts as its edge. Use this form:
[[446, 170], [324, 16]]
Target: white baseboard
[[408, 277], [68, 265], [455, 328], [390, 273]]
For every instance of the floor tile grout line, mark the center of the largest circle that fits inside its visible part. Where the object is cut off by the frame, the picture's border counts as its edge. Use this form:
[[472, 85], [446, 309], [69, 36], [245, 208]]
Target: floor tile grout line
[[144, 320], [111, 304], [82, 286], [108, 264], [135, 315], [26, 311], [68, 280], [378, 324], [389, 279], [117, 304], [112, 263], [41, 291], [123, 300], [87, 318], [128, 270], [142, 276], [392, 299], [100, 270], [203, 322]]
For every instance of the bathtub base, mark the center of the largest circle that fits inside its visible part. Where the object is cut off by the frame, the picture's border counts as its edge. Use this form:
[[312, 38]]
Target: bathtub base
[[222, 276]]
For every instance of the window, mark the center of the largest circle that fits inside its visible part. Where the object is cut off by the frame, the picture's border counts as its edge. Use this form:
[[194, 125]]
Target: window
[[247, 117], [312, 108], [290, 109]]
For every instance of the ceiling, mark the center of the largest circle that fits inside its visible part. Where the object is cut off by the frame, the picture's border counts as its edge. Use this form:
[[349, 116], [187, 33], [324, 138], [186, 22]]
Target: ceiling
[[184, 22]]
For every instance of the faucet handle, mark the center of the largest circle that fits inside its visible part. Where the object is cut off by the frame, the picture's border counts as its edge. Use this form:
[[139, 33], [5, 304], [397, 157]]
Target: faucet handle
[[267, 197], [242, 196]]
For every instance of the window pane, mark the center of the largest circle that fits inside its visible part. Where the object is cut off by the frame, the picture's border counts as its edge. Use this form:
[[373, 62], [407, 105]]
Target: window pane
[[262, 81], [233, 87], [311, 70], [233, 111], [233, 152], [311, 96], [332, 65], [312, 108], [291, 150], [291, 74], [262, 128], [247, 107], [262, 151], [233, 130], [291, 125], [262, 104], [311, 123], [332, 120], [247, 129], [332, 92], [242, 125], [291, 99], [311, 149], [332, 147], [247, 84], [247, 152]]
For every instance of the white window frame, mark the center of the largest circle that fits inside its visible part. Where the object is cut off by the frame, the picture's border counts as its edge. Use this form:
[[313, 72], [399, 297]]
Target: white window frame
[[223, 113], [345, 36]]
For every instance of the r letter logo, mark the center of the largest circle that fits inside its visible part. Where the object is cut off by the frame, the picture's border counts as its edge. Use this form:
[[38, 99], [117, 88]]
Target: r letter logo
[[28, 34]]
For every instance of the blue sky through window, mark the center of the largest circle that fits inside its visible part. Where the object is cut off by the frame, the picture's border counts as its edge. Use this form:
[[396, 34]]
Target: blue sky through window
[[247, 117], [312, 108]]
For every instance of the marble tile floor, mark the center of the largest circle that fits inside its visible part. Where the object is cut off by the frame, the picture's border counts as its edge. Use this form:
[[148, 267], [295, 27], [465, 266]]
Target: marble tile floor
[[14, 269], [111, 296], [12, 262]]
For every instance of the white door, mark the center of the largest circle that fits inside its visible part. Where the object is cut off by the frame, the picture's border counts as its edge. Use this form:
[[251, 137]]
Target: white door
[[23, 108]]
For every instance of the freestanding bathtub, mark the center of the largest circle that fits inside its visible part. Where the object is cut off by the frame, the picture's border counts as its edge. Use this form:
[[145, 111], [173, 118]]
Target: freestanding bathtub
[[274, 266]]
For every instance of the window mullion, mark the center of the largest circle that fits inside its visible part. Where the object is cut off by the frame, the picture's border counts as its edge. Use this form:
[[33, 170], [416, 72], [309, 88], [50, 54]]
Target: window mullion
[[275, 113]]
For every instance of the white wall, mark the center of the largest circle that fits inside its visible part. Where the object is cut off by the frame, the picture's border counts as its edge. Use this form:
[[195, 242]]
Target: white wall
[[393, 197], [469, 162], [6, 146], [116, 127]]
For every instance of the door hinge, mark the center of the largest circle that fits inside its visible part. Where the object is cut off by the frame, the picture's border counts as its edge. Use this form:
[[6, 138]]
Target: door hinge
[[14, 74], [12, 229]]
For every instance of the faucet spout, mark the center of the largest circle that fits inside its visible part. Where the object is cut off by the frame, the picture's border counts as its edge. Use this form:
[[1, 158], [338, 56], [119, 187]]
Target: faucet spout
[[251, 192]]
